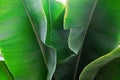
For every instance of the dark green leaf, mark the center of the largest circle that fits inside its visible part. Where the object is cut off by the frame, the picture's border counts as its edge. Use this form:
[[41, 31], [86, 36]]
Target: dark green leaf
[[56, 35], [65, 69], [78, 15], [90, 71], [103, 34]]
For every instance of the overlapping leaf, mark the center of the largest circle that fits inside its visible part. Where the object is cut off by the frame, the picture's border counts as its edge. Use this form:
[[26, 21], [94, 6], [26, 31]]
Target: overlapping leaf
[[77, 18], [56, 36], [18, 43], [78, 15], [103, 34], [33, 40], [38, 20], [4, 72], [91, 70], [103, 28]]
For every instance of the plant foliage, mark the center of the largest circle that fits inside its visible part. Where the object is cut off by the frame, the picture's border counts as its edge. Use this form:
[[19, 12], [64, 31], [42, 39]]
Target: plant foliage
[[46, 40]]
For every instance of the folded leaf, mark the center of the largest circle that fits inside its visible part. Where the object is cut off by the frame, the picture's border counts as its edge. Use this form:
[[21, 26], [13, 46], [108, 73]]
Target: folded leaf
[[56, 35], [38, 20], [65, 69], [77, 18], [78, 15], [90, 71], [37, 15], [110, 71], [103, 34]]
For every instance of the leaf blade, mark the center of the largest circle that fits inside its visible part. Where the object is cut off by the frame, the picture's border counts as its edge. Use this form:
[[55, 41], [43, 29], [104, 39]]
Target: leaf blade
[[90, 71], [4, 72], [24, 47]]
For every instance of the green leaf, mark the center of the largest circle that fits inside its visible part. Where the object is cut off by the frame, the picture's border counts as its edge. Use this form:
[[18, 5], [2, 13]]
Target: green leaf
[[65, 69], [103, 34], [38, 20], [110, 71], [4, 72], [18, 43], [78, 15], [56, 35], [98, 27], [90, 71], [77, 18]]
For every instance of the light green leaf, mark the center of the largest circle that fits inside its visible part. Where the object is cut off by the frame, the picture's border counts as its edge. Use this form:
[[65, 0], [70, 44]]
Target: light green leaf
[[18, 43], [78, 15], [110, 71], [57, 37], [38, 20]]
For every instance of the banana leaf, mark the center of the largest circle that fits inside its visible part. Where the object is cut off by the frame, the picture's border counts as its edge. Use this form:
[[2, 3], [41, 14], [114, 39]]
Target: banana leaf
[[38, 20], [109, 65], [103, 34], [45, 40], [77, 18], [56, 36], [21, 51], [94, 28], [4, 72]]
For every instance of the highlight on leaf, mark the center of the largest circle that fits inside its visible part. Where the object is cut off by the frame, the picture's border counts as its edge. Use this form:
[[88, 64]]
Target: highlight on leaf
[[1, 58], [62, 1], [59, 39]]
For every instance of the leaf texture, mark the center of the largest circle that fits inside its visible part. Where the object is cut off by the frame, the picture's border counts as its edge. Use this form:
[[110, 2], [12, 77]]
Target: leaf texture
[[103, 33], [91, 70], [18, 43], [56, 35], [78, 15], [4, 72], [38, 20]]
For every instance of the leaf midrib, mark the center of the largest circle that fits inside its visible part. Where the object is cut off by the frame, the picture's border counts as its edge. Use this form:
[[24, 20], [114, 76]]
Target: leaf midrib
[[39, 41], [87, 26]]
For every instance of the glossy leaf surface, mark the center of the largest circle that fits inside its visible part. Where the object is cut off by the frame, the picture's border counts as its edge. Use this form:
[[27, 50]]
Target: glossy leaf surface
[[39, 24], [19, 44], [56, 35], [46, 40], [78, 15], [103, 34], [91, 70]]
